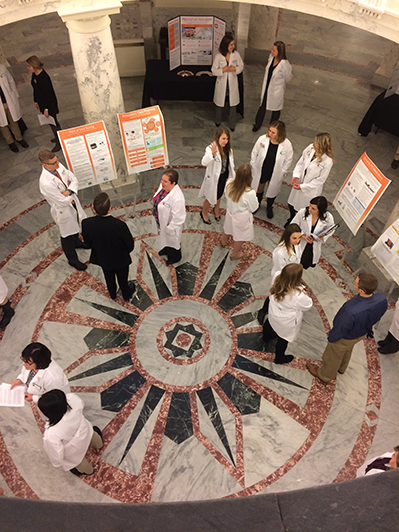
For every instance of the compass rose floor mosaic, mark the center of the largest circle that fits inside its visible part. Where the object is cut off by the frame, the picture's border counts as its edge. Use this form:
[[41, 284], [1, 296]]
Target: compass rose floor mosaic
[[179, 380]]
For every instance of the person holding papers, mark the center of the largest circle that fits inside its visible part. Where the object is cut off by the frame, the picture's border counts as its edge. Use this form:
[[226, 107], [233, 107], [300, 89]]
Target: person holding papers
[[316, 226], [39, 373], [44, 95]]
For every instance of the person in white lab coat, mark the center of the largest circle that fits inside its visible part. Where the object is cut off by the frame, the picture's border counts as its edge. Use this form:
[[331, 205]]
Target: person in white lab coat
[[390, 344], [219, 163], [271, 158], [169, 215], [285, 253], [278, 73], [5, 305], [68, 433], [226, 66], [378, 464], [10, 111], [59, 187], [288, 302], [310, 173], [315, 220], [39, 373], [241, 203]]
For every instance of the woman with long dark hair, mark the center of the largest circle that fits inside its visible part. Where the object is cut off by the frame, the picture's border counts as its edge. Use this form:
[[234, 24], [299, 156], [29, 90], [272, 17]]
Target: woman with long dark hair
[[317, 225], [68, 434], [278, 73], [241, 203], [226, 66], [219, 163], [288, 302]]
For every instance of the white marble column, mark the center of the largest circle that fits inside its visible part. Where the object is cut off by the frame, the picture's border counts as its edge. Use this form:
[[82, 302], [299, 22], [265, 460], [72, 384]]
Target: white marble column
[[263, 27], [96, 68], [241, 37]]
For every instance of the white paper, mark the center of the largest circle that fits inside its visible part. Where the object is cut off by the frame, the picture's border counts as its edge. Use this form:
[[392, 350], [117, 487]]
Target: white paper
[[14, 397], [44, 121], [386, 250]]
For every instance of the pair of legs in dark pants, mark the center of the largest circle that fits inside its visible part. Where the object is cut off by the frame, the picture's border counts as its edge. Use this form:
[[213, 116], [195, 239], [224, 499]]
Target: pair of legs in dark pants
[[292, 215], [173, 255], [269, 334], [122, 275], [69, 245], [54, 129], [260, 115]]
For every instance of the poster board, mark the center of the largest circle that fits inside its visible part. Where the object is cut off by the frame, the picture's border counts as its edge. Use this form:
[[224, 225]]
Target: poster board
[[88, 153], [194, 40], [386, 250], [360, 192], [144, 139]]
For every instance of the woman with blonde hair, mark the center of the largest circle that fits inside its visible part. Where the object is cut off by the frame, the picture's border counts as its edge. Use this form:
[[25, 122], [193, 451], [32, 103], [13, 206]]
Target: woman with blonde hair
[[219, 163], [44, 96], [241, 203], [288, 302], [310, 173]]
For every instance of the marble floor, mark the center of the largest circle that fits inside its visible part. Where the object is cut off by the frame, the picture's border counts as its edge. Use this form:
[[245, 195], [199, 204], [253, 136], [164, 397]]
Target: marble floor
[[179, 380]]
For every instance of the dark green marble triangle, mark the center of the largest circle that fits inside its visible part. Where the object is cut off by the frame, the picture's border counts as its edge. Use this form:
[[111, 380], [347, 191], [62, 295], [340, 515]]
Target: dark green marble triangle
[[160, 285], [186, 275], [244, 364], [242, 396], [106, 338], [121, 361], [236, 295], [210, 287], [243, 319], [127, 318]]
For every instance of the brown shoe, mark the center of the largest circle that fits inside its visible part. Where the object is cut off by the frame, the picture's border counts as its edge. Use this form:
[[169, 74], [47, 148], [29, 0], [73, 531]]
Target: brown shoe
[[394, 164], [312, 368]]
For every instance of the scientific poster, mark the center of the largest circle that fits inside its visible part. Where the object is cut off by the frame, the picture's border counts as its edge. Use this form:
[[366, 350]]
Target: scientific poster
[[386, 250], [196, 40], [174, 43], [358, 195], [144, 139], [219, 29], [88, 153]]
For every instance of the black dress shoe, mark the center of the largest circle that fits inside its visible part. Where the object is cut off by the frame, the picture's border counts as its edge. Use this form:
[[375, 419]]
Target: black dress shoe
[[207, 222], [285, 359], [269, 212], [13, 147], [56, 148], [78, 265], [23, 143], [394, 164], [388, 349], [216, 124], [255, 129]]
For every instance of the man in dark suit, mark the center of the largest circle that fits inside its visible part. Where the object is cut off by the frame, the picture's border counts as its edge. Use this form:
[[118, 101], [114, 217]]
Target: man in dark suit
[[111, 243]]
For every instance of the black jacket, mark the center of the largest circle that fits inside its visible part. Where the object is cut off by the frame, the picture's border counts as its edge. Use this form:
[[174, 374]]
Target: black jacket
[[43, 93], [110, 239]]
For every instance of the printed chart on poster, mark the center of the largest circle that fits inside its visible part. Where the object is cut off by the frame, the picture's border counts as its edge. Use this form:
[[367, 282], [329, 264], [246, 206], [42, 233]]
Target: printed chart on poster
[[359, 194], [194, 40], [386, 250], [88, 153], [144, 139]]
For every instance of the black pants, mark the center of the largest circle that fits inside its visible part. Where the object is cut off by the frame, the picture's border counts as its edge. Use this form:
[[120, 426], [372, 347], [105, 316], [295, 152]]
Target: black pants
[[260, 115], [292, 213], [69, 245], [122, 275], [173, 255], [56, 128], [269, 334]]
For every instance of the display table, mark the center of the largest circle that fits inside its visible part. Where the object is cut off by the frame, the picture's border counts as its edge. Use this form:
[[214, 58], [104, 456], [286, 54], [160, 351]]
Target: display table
[[162, 84], [383, 113]]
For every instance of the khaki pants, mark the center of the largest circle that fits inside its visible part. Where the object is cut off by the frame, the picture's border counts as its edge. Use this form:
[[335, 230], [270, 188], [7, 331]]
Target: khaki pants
[[336, 357], [85, 466], [13, 126]]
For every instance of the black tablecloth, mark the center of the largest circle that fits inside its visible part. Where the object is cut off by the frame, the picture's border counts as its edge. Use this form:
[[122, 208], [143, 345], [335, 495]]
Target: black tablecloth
[[162, 84], [383, 113]]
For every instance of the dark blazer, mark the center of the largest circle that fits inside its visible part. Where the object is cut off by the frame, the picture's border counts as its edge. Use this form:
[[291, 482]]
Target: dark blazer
[[110, 240], [43, 93]]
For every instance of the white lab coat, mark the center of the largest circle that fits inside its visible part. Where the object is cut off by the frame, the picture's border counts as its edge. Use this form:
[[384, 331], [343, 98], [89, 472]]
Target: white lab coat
[[171, 215], [61, 208], [311, 184], [9, 88], [239, 218], [306, 226], [283, 162], [3, 290], [281, 258], [213, 168], [66, 442], [51, 378], [275, 93], [221, 82], [285, 316], [394, 327], [361, 472]]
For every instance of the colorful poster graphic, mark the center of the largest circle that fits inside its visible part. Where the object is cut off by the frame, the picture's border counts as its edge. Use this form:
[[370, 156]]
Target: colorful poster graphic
[[386, 250], [174, 42], [144, 139], [219, 29], [359, 194], [88, 153]]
